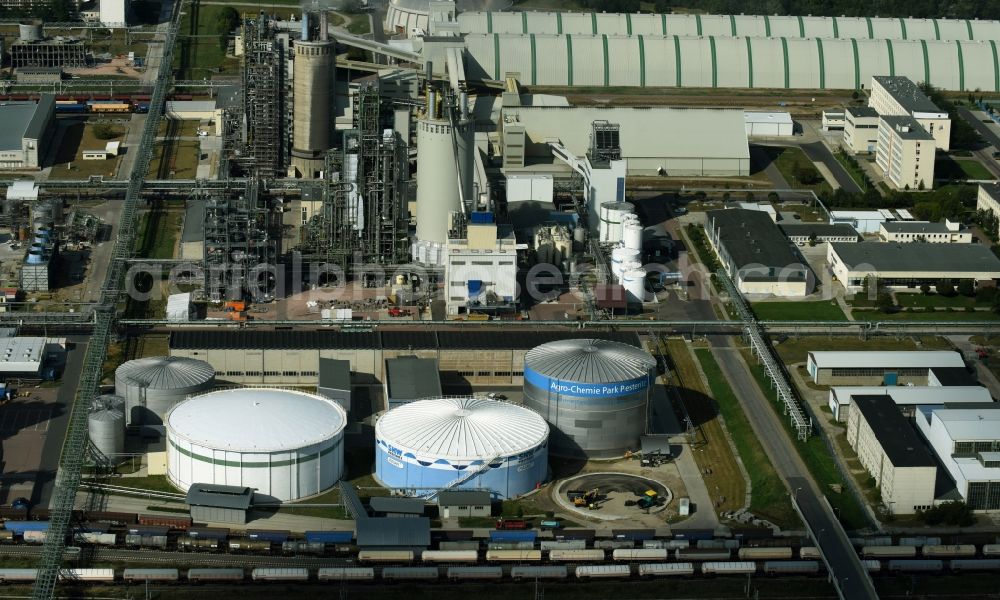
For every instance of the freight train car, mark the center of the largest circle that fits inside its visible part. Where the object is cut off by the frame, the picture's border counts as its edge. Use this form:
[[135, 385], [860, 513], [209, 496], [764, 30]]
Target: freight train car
[[346, 574], [385, 556], [474, 573], [519, 572], [450, 556], [682, 569], [409, 573], [214, 575], [764, 553], [513, 556], [602, 571], [279, 574], [154, 575], [640, 554]]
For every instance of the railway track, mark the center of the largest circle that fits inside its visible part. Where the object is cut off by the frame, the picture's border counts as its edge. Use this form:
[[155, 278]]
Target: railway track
[[187, 558]]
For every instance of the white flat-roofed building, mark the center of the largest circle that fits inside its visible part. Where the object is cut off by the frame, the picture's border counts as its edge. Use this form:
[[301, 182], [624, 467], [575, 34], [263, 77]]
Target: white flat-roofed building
[[897, 95], [768, 124], [967, 443], [908, 266], [864, 221], [948, 232], [834, 120], [906, 397], [871, 367], [860, 129], [905, 152], [22, 355]]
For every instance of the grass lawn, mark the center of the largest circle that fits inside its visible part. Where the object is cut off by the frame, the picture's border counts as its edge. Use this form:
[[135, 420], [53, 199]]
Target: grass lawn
[[818, 460], [359, 25], [947, 167], [792, 162], [769, 499], [793, 350], [175, 160], [177, 128], [200, 53], [798, 311], [919, 315], [158, 233], [920, 300], [326, 512], [713, 450], [702, 252], [156, 483], [77, 137]]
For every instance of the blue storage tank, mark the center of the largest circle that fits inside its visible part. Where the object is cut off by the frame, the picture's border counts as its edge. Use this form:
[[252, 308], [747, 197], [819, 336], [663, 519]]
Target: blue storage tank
[[513, 535], [329, 537], [461, 443], [19, 527]]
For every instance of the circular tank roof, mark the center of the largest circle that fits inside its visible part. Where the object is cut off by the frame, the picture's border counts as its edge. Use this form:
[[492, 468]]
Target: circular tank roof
[[165, 372], [462, 428], [589, 361], [256, 420]]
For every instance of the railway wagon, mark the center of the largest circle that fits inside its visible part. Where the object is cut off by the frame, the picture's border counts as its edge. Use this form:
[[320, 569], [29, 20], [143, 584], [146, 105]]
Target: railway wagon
[[871, 565], [889, 551], [329, 537], [18, 575], [109, 107], [728, 568], [86, 575], [475, 573], [459, 545], [450, 556], [519, 572], [21, 527], [563, 545], [575, 555], [71, 108], [510, 546], [635, 535], [452, 535], [575, 534], [6, 536], [699, 554], [919, 541], [245, 545], [809, 552], [279, 574], [915, 566], [764, 553], [346, 574], [187, 543], [791, 567], [385, 556], [212, 533], [981, 564], [613, 544], [113, 518], [513, 556], [401, 573], [274, 537], [623, 554], [96, 539], [990, 550], [157, 575], [147, 530], [513, 535], [35, 537], [602, 571], [303, 547], [215, 575], [949, 551], [145, 541], [682, 569], [654, 544], [179, 523]]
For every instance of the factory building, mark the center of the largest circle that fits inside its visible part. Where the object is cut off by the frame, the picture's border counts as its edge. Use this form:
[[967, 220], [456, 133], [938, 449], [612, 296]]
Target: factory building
[[878, 368], [899, 96], [902, 142], [481, 270], [756, 254], [464, 503], [22, 356], [864, 221], [948, 232], [907, 397], [803, 233], [114, 12], [967, 442], [893, 454], [908, 266], [285, 444], [703, 142], [292, 358], [26, 132], [461, 443], [860, 129], [768, 124], [594, 393], [33, 49]]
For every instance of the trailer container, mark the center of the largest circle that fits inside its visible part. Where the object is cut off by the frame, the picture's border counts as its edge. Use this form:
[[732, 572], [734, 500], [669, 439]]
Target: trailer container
[[346, 574], [809, 552], [636, 535], [728, 568], [949, 551], [575, 534], [329, 537], [639, 554], [18, 575], [475, 573], [423, 573], [682, 569], [519, 572], [449, 556], [215, 575], [157, 575], [19, 527], [764, 553], [693, 534], [385, 556], [779, 567], [602, 571], [279, 574], [889, 551], [991, 549], [575, 555], [915, 566]]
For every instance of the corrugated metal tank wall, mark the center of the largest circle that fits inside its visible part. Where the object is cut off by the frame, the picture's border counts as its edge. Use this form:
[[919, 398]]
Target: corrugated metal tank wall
[[726, 62], [553, 23]]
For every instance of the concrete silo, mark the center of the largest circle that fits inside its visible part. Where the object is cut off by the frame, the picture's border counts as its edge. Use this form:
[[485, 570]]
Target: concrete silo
[[594, 394], [152, 386], [313, 96]]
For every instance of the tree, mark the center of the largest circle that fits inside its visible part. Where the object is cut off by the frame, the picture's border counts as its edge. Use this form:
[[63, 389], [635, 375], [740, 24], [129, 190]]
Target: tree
[[106, 131], [925, 289], [884, 302], [945, 288], [812, 240], [966, 288]]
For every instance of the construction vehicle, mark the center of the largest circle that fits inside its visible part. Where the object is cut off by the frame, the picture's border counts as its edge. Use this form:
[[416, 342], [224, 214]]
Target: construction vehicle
[[648, 500], [588, 499]]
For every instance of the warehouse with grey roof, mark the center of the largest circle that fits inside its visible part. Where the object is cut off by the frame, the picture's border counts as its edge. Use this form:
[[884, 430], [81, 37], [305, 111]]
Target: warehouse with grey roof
[[27, 126], [908, 266]]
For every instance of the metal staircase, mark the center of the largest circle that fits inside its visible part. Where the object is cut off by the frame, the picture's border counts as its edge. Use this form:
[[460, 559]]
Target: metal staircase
[[466, 475]]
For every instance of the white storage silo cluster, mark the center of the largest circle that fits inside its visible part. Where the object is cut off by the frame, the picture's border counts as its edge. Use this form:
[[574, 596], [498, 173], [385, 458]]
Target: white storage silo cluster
[[594, 393], [286, 444], [461, 443], [612, 216], [152, 386], [626, 263], [106, 425]]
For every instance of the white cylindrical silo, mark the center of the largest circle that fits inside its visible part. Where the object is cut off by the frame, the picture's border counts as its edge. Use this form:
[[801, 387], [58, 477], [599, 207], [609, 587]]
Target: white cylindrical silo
[[286, 444], [437, 175], [611, 221], [461, 443], [313, 105], [152, 386], [632, 234], [634, 282], [106, 426]]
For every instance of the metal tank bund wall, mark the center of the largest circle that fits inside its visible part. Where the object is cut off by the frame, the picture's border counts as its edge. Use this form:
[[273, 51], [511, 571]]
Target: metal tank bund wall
[[594, 394]]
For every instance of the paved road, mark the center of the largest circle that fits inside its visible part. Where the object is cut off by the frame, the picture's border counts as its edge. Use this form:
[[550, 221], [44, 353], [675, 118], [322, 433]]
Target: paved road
[[759, 158], [987, 134], [818, 152], [829, 534]]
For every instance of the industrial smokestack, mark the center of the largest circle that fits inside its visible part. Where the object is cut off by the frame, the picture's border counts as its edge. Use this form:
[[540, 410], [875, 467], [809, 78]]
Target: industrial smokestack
[[305, 26], [324, 31]]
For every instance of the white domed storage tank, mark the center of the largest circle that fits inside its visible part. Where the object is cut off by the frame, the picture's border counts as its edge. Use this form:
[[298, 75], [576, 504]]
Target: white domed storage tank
[[594, 394], [106, 425], [612, 215], [286, 444], [152, 386], [632, 234], [634, 282], [461, 443]]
